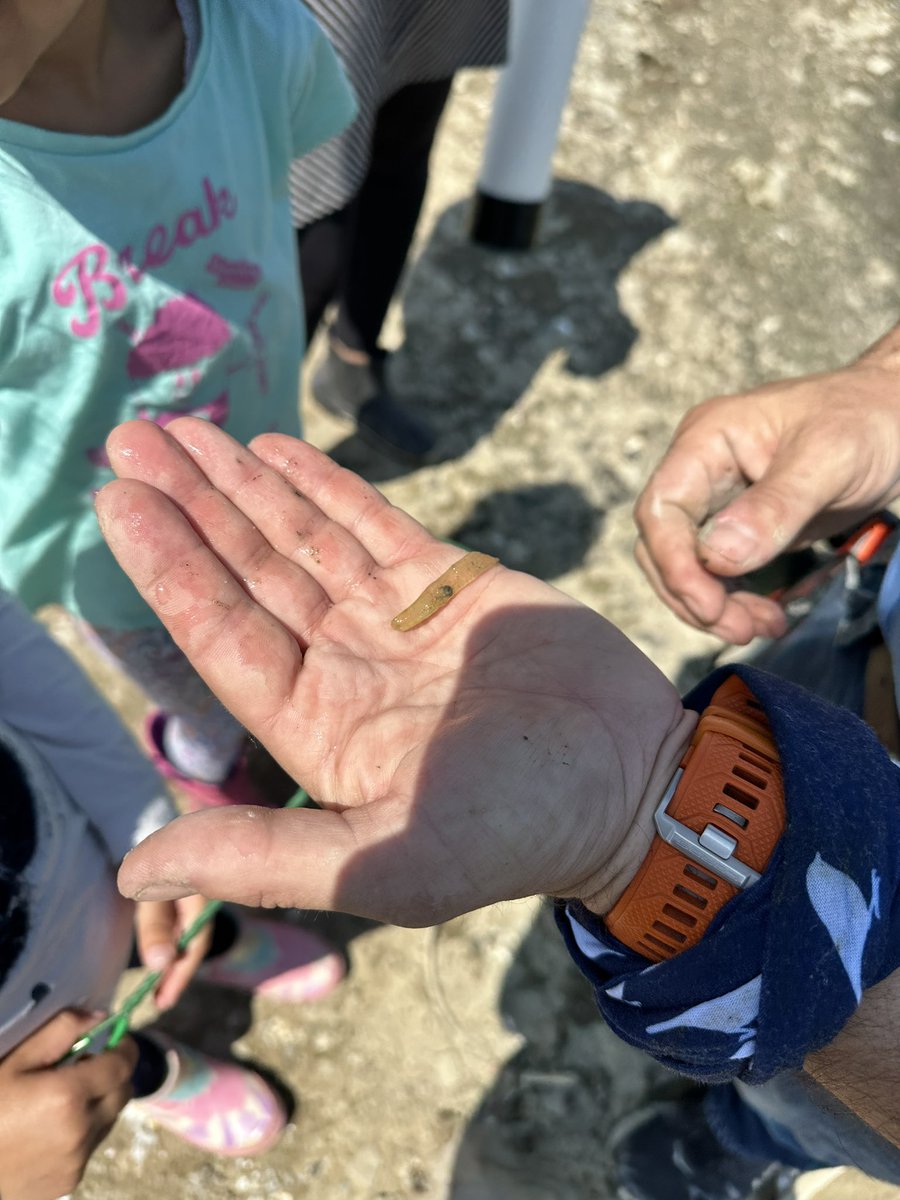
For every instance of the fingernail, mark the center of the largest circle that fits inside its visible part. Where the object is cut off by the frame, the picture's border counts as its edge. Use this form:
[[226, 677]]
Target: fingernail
[[730, 540], [167, 890], [153, 889], [157, 958]]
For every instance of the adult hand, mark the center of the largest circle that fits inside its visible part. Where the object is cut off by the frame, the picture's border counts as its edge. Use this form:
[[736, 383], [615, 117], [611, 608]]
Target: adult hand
[[514, 744], [749, 476], [53, 1118], [158, 924]]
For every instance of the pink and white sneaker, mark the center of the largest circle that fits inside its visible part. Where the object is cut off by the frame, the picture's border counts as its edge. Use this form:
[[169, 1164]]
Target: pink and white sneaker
[[272, 958], [238, 788], [220, 1107]]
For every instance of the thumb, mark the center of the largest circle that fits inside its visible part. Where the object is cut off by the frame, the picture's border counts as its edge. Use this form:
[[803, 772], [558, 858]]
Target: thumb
[[768, 516], [47, 1046], [263, 858]]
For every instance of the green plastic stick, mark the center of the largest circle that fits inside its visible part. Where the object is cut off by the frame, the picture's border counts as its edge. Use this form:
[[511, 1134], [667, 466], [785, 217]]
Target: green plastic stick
[[118, 1023]]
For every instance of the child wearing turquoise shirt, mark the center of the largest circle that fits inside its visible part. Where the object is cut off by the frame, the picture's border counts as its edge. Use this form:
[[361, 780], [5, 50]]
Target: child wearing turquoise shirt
[[147, 269]]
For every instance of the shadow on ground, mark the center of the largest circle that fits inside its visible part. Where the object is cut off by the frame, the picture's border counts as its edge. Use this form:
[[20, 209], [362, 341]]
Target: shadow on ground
[[542, 1130], [509, 312], [545, 529]]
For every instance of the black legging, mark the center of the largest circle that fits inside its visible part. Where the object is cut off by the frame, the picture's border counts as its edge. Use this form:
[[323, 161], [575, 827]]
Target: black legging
[[355, 257]]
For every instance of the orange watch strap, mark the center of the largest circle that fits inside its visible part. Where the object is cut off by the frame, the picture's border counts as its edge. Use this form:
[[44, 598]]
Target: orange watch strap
[[726, 808]]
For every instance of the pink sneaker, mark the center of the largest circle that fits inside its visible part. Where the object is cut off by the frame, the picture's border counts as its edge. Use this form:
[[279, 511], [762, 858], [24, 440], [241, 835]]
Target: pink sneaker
[[238, 788], [272, 958], [219, 1107]]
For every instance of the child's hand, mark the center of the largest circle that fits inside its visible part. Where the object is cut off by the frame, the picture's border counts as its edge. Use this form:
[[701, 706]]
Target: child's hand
[[52, 1118], [158, 925]]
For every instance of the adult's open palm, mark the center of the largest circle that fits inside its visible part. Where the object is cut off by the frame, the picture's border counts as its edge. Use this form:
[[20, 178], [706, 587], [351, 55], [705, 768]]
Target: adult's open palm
[[500, 749]]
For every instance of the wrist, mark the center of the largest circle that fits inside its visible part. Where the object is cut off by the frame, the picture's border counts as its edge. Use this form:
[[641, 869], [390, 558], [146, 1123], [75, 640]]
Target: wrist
[[601, 894], [717, 828], [875, 378]]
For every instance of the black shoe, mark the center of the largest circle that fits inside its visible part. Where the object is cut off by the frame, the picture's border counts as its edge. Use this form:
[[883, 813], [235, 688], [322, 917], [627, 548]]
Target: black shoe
[[361, 394], [667, 1151]]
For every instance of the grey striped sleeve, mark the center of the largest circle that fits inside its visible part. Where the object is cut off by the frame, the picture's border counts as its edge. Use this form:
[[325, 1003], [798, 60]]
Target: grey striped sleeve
[[386, 45]]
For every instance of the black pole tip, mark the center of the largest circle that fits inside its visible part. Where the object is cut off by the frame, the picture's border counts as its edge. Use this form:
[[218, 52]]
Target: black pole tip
[[504, 224]]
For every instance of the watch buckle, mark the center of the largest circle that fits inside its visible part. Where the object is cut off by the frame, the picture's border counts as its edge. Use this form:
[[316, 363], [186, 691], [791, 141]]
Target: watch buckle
[[713, 849]]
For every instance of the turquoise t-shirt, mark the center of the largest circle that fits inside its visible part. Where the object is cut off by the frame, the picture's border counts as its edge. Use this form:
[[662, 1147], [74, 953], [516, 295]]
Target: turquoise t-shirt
[[149, 276]]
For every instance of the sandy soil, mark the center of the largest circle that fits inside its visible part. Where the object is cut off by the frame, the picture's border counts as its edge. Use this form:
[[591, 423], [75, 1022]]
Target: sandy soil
[[725, 213]]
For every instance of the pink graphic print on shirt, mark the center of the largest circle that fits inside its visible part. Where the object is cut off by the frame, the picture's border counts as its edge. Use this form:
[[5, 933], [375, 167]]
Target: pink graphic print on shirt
[[234, 273], [97, 284], [93, 282], [183, 333], [87, 278]]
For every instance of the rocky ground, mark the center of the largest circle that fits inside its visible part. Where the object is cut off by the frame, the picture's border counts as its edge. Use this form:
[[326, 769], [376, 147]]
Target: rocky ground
[[725, 212]]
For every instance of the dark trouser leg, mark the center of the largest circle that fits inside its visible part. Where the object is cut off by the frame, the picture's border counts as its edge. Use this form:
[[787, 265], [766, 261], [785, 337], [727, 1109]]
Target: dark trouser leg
[[356, 257], [323, 247], [387, 211], [795, 1120]]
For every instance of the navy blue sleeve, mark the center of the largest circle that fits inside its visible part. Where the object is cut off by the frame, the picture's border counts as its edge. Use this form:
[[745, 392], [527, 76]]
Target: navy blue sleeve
[[784, 964]]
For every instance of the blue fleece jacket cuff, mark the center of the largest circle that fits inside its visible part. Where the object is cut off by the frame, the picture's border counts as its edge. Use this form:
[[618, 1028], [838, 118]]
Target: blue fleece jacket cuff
[[784, 964]]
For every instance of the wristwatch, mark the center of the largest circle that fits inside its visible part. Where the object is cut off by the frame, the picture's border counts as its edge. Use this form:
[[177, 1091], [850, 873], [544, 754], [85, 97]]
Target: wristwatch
[[717, 827]]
